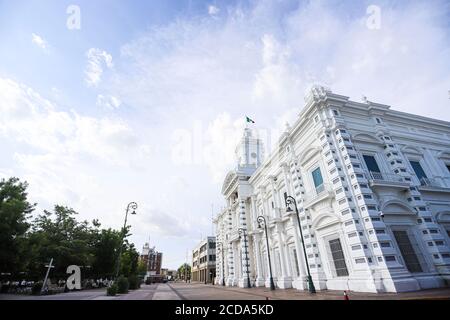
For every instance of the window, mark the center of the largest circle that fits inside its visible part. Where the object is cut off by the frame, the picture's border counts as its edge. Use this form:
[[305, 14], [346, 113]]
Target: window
[[448, 167], [317, 178], [418, 169], [407, 251], [338, 258], [371, 163], [390, 258]]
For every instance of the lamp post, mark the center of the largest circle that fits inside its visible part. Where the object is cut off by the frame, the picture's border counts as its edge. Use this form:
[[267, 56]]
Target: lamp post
[[223, 263], [260, 220], [133, 206], [244, 233], [290, 200]]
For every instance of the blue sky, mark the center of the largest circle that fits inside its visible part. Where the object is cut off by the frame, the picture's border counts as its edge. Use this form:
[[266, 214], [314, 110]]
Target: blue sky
[[146, 101]]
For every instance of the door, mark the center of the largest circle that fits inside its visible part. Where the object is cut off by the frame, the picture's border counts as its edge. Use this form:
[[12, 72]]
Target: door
[[338, 258], [407, 251]]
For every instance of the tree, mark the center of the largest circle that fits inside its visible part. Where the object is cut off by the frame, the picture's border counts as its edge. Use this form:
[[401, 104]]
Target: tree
[[142, 268], [129, 260], [184, 271], [14, 212], [105, 251], [60, 236]]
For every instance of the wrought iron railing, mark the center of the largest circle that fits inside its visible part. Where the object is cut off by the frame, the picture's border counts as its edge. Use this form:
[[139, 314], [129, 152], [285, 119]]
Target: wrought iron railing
[[382, 176]]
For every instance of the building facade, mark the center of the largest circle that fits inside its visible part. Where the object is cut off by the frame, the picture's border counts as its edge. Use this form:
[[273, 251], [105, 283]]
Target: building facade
[[153, 261], [204, 261], [372, 186]]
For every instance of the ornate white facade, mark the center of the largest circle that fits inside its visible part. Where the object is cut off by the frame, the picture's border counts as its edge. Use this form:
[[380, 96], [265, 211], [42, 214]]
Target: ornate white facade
[[373, 190]]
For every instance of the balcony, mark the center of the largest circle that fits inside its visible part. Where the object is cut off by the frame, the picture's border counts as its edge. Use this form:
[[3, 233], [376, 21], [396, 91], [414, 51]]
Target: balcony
[[440, 184], [386, 180], [322, 192]]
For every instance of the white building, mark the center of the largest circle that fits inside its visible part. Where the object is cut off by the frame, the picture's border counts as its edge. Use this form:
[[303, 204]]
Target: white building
[[204, 261], [372, 187]]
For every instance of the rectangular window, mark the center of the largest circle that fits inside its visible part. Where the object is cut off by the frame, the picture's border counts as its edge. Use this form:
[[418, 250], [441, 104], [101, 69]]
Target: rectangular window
[[418, 169], [407, 251], [338, 258], [317, 177], [371, 163]]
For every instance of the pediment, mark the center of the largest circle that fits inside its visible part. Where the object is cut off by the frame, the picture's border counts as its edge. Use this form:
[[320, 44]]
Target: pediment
[[308, 154], [395, 207], [443, 217], [324, 220], [228, 179], [445, 154], [366, 137], [412, 150]]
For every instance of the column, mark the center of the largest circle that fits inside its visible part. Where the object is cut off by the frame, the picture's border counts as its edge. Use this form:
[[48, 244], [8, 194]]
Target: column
[[299, 282], [230, 280], [245, 259], [257, 253], [284, 281]]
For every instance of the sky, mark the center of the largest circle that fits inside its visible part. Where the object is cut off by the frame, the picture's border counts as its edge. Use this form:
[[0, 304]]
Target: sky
[[104, 102]]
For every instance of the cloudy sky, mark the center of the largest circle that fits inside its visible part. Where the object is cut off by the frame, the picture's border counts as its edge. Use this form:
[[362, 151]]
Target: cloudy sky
[[105, 102]]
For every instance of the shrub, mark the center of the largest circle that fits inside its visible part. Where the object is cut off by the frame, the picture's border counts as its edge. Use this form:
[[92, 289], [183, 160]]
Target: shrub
[[36, 289], [111, 290], [122, 285], [134, 282], [148, 281]]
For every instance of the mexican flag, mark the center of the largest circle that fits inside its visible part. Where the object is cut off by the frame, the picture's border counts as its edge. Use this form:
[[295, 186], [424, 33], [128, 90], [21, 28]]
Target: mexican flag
[[249, 120]]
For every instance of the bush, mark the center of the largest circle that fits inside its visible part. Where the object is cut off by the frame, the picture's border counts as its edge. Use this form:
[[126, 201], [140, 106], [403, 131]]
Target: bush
[[112, 290], [122, 285], [36, 289], [148, 281], [134, 282]]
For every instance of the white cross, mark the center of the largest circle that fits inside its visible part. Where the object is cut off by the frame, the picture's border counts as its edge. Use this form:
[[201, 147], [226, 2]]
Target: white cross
[[48, 266]]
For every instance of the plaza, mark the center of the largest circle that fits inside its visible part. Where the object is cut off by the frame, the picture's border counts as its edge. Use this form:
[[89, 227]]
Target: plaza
[[189, 291]]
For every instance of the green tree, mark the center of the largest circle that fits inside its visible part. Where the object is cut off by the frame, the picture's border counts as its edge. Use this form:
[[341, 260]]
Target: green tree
[[142, 268], [184, 271], [129, 260], [105, 252], [60, 236], [14, 212]]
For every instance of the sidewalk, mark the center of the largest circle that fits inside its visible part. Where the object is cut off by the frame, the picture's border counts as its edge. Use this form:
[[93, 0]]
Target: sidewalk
[[293, 294]]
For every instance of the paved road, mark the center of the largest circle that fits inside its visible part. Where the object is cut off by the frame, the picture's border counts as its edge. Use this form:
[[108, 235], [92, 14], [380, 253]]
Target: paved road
[[183, 291]]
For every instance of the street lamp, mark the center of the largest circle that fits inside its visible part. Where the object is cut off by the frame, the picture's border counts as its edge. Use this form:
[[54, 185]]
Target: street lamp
[[223, 263], [290, 200], [244, 233], [262, 220], [131, 205]]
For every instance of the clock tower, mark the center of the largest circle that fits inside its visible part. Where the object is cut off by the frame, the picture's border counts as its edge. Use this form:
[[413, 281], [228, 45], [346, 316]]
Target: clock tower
[[250, 151]]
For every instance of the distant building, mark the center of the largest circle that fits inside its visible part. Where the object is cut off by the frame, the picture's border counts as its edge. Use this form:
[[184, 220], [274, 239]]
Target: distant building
[[171, 274], [153, 261], [204, 261]]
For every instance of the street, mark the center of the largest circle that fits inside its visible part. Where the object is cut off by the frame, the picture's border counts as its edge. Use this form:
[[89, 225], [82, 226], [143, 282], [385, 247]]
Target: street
[[197, 291]]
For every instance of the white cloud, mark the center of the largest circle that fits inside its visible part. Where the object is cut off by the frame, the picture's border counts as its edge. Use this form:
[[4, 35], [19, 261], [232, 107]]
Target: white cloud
[[213, 10], [62, 153], [39, 41], [108, 102], [94, 69]]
